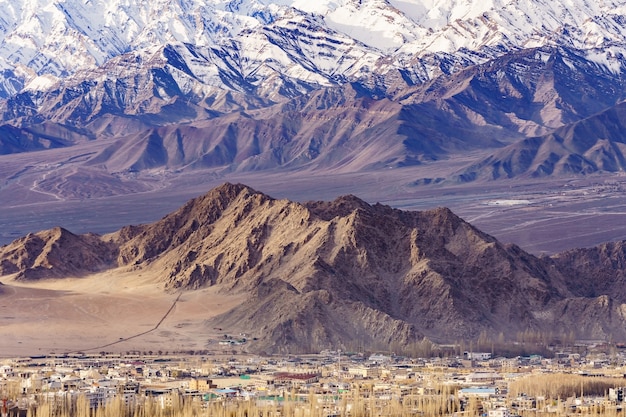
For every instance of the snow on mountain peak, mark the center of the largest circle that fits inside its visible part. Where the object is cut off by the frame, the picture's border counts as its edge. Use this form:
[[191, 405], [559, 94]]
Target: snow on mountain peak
[[316, 42]]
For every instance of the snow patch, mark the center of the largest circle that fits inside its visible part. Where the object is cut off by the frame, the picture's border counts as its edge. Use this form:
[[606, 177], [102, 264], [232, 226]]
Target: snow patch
[[41, 83], [606, 59]]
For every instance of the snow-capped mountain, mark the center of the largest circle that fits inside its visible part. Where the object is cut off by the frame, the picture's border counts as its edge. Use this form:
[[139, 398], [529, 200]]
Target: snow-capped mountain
[[283, 42], [459, 74]]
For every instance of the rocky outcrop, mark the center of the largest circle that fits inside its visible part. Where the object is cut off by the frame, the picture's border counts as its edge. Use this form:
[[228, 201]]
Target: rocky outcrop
[[55, 253]]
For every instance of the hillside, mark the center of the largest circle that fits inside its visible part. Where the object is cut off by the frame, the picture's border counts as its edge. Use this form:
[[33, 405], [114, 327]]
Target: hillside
[[324, 274], [594, 144]]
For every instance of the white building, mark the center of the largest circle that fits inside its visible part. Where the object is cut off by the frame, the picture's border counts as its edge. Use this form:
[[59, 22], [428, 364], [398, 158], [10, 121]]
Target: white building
[[479, 356], [499, 412], [379, 358], [99, 396], [6, 371], [364, 371]]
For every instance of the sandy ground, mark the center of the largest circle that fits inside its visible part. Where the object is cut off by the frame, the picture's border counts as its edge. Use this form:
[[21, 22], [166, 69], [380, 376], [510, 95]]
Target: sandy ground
[[106, 312]]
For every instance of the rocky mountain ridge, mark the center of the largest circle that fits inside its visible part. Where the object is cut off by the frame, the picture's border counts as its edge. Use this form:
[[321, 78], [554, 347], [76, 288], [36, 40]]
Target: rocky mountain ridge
[[344, 85], [594, 144], [45, 41], [321, 274], [345, 129]]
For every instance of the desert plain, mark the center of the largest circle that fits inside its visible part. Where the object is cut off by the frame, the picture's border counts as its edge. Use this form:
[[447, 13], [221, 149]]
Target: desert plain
[[113, 311]]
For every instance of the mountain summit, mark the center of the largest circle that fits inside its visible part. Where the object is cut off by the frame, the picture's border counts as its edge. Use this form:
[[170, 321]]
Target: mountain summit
[[210, 51], [55, 38], [325, 274]]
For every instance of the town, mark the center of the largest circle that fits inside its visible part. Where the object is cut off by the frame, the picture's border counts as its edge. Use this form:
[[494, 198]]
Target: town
[[586, 379]]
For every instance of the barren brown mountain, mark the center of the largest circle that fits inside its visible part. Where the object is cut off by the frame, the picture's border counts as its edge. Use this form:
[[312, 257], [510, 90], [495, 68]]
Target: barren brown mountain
[[344, 273]]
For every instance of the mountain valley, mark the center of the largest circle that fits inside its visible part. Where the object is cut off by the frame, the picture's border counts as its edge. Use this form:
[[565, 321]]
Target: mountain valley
[[114, 117]]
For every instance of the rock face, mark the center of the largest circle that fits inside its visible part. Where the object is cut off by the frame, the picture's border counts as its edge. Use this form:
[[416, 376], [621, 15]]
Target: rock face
[[346, 273]]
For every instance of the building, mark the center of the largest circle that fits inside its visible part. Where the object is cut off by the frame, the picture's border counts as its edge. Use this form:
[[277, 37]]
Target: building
[[364, 371], [499, 412], [479, 356], [289, 378], [477, 392], [483, 377], [201, 384]]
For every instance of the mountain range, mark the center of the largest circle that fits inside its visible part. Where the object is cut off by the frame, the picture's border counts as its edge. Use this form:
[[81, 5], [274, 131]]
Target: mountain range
[[101, 100], [348, 86], [320, 275]]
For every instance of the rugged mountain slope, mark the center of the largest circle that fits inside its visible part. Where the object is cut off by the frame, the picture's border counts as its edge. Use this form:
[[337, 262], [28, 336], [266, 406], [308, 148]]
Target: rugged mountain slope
[[343, 85], [38, 137], [304, 41], [606, 263], [322, 274], [594, 144], [55, 253], [531, 91], [345, 128], [339, 128]]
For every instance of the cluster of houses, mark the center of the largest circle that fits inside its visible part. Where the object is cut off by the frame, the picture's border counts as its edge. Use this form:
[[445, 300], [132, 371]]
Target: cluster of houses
[[101, 378]]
